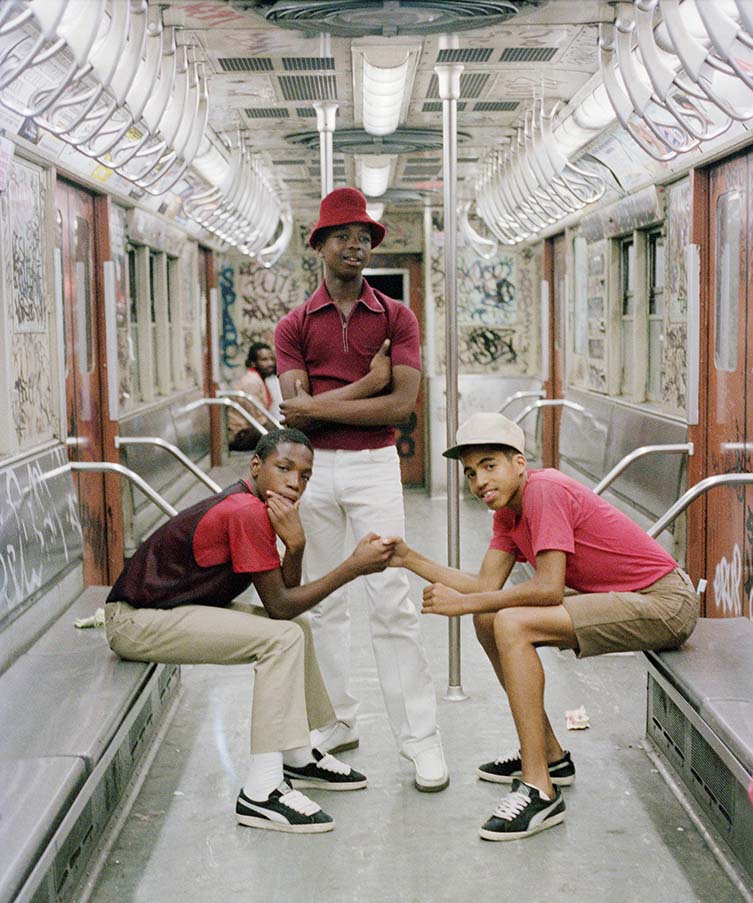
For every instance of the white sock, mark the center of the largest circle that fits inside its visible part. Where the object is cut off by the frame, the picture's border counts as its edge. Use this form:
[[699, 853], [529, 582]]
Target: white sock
[[543, 795], [264, 775], [298, 757]]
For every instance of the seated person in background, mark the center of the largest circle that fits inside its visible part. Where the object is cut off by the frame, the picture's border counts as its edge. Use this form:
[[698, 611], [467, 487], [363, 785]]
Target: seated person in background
[[260, 363], [272, 383], [174, 603], [629, 595]]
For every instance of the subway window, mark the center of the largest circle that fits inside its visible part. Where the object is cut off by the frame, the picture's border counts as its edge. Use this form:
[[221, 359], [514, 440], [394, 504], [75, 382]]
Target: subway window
[[656, 310], [727, 289], [133, 323], [627, 301]]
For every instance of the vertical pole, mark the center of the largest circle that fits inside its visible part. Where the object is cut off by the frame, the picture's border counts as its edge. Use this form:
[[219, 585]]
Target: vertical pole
[[325, 124], [448, 75]]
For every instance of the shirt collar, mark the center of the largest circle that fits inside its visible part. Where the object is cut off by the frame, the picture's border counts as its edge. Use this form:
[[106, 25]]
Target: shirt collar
[[321, 298]]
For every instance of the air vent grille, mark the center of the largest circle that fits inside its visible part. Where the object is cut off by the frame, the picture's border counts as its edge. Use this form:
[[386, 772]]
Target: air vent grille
[[307, 63], [465, 55], [527, 54], [308, 87], [471, 84], [245, 63], [289, 162], [709, 770], [267, 113], [306, 112], [495, 106], [435, 106]]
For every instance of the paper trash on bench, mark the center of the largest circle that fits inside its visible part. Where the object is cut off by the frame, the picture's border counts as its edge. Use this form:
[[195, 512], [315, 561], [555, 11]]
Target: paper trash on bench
[[96, 620], [577, 719]]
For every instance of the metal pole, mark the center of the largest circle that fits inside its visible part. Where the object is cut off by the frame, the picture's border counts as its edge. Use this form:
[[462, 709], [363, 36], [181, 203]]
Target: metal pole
[[448, 75], [121, 441], [623, 463], [326, 111]]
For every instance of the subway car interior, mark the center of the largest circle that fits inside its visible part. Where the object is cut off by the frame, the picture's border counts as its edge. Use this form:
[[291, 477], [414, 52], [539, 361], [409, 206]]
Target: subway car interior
[[567, 191]]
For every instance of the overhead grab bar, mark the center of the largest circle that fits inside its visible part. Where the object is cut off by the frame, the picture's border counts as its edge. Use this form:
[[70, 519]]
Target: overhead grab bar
[[700, 488], [623, 463], [121, 441]]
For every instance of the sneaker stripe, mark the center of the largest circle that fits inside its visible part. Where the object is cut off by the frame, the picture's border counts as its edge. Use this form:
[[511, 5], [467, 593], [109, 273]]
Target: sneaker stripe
[[268, 814]]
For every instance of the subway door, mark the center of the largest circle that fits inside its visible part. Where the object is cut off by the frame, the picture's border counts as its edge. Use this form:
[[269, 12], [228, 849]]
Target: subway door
[[729, 407], [554, 268], [75, 259], [399, 277]]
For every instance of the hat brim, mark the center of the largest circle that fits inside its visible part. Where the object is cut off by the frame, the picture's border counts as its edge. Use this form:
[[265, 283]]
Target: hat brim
[[377, 230], [455, 452]]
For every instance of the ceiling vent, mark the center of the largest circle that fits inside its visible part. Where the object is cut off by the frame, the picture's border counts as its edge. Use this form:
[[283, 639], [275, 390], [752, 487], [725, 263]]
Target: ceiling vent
[[306, 112], [267, 113], [496, 106], [465, 55], [357, 18], [308, 87], [471, 84], [527, 54], [308, 63], [357, 141], [435, 106], [245, 63]]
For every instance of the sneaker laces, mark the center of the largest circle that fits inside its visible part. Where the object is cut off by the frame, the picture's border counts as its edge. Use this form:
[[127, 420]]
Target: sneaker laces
[[512, 756], [329, 763], [511, 805], [299, 802]]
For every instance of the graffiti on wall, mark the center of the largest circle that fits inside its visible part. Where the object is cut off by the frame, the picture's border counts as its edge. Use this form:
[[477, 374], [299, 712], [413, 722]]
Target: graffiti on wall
[[678, 211], [229, 338], [32, 406]]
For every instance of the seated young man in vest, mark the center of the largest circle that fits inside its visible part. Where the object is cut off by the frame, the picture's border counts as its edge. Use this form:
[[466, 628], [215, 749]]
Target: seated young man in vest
[[174, 603], [629, 595]]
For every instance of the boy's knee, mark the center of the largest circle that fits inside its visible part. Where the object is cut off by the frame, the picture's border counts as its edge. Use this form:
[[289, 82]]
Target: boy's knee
[[288, 635], [509, 625]]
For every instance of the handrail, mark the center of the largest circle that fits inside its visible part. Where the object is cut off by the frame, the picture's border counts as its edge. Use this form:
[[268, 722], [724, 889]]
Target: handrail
[[237, 393], [227, 403], [109, 467], [175, 451], [641, 452], [535, 393], [548, 403], [720, 479]]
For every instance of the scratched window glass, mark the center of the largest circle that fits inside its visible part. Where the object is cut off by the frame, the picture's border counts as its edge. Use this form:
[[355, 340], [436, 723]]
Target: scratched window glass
[[727, 293]]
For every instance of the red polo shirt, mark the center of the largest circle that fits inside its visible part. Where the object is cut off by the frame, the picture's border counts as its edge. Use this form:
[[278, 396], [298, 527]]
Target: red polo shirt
[[336, 352]]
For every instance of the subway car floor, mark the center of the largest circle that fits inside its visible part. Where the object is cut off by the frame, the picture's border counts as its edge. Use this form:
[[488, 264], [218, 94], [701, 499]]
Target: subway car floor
[[625, 836]]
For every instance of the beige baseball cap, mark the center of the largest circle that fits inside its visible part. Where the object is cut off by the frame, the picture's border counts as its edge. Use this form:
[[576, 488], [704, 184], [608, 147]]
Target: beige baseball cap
[[487, 429]]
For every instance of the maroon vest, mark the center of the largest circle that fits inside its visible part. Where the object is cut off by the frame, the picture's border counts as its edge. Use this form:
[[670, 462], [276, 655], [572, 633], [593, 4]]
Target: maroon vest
[[163, 572]]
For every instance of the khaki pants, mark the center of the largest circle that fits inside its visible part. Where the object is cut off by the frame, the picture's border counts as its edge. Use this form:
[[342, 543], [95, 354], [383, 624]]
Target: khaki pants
[[289, 694]]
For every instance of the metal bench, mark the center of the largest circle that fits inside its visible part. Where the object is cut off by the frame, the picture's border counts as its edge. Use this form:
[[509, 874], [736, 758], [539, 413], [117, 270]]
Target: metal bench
[[76, 719]]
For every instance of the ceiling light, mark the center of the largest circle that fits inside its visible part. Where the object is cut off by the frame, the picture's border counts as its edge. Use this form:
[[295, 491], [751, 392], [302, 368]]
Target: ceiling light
[[383, 82], [374, 174]]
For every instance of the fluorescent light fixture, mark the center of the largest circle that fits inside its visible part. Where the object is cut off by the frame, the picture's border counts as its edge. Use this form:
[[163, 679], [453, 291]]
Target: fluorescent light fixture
[[375, 211], [373, 173], [383, 91], [383, 77]]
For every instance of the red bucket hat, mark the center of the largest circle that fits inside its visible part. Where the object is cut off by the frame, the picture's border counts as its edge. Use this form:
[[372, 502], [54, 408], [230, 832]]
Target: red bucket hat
[[343, 206]]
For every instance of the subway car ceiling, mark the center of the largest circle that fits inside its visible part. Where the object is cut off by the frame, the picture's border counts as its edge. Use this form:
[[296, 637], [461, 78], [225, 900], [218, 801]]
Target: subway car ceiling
[[212, 113]]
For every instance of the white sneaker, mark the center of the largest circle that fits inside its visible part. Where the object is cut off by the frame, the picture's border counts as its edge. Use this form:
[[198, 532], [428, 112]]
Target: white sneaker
[[335, 738], [431, 769]]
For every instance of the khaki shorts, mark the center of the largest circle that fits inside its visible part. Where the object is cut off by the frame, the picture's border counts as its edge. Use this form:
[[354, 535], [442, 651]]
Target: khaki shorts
[[661, 616]]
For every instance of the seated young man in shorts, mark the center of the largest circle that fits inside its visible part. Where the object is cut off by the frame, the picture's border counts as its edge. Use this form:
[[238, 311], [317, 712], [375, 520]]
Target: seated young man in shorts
[[174, 603], [629, 595]]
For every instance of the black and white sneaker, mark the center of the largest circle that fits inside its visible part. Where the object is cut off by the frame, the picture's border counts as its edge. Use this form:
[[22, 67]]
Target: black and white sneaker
[[506, 768], [326, 773], [284, 810], [522, 812]]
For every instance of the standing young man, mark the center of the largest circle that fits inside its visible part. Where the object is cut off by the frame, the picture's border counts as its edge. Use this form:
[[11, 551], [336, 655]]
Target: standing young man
[[341, 389], [630, 595], [174, 603]]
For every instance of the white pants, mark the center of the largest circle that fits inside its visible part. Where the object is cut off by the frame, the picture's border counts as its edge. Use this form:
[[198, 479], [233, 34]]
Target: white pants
[[362, 489]]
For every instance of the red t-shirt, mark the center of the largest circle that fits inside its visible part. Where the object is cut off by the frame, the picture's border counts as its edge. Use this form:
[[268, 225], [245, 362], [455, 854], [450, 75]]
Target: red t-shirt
[[606, 551], [237, 530], [315, 338]]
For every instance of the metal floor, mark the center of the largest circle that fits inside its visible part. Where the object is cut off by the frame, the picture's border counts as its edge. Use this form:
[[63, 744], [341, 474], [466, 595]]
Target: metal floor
[[625, 837]]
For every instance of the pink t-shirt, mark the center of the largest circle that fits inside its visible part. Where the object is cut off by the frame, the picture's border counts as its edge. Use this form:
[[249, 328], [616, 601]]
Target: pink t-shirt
[[314, 338], [606, 551]]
